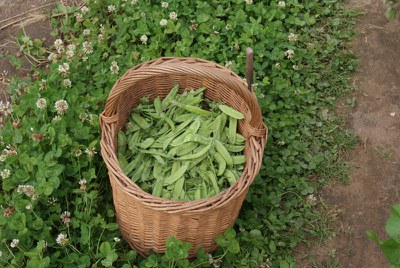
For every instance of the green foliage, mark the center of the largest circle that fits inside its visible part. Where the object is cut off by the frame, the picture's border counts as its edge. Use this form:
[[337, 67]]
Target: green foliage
[[391, 13], [391, 246], [55, 196]]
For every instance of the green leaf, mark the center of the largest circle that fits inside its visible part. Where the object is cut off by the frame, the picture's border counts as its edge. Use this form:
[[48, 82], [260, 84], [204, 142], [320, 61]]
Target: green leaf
[[229, 234], [391, 249], [112, 226], [393, 223], [234, 246], [391, 13], [374, 237]]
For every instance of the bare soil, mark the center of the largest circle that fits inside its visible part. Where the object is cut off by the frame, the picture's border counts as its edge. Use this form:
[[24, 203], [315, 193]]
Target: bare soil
[[364, 204], [15, 16]]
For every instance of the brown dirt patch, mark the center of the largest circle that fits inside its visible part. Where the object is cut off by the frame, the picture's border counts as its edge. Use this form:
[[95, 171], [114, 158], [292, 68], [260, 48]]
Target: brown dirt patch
[[365, 203], [15, 15]]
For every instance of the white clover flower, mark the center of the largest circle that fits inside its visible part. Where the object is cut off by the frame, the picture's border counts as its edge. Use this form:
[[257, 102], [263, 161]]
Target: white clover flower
[[100, 38], [42, 84], [281, 4], [61, 106], [249, 2], [277, 65], [164, 5], [228, 64], [84, 116], [79, 17], [14, 243], [58, 44], [67, 83], [261, 96], [144, 39], [228, 27], [117, 239], [52, 201], [295, 67], [281, 143], [193, 25], [311, 199], [114, 67], [71, 47], [56, 118], [86, 32], [52, 56], [163, 22], [28, 190], [292, 37], [289, 53], [82, 181], [66, 217], [134, 2], [84, 58], [70, 54], [3, 157], [63, 69], [62, 239], [173, 16], [111, 8], [41, 103], [87, 47], [1, 253], [6, 108], [5, 173], [78, 152], [90, 152], [28, 207], [84, 10]]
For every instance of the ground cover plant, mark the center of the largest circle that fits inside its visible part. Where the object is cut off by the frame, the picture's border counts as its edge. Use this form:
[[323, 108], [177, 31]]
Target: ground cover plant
[[55, 198], [391, 246]]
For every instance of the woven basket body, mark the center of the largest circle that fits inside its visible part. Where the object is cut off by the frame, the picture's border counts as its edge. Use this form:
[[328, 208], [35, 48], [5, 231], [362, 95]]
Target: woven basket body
[[147, 221]]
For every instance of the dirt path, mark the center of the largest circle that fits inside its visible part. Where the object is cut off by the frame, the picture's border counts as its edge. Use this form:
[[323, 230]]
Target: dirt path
[[374, 186], [15, 15]]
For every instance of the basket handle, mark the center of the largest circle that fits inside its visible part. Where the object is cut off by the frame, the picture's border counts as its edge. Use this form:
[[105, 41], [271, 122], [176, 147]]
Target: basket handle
[[249, 67]]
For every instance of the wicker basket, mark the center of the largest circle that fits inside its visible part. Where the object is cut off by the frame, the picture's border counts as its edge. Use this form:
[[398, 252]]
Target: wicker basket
[[146, 221]]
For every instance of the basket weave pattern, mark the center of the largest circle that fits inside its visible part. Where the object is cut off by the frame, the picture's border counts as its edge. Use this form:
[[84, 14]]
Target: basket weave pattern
[[147, 221]]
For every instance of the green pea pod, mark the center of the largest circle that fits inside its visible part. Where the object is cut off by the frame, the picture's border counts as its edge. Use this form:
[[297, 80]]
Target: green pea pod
[[230, 177], [140, 121], [230, 111], [221, 163], [239, 138], [146, 143], [191, 130], [198, 154], [224, 153], [239, 159], [171, 95], [121, 142], [176, 175], [197, 110], [122, 161], [232, 129], [213, 179], [178, 188], [132, 165], [158, 106], [234, 148], [185, 148], [158, 186], [196, 138], [138, 173], [145, 176]]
